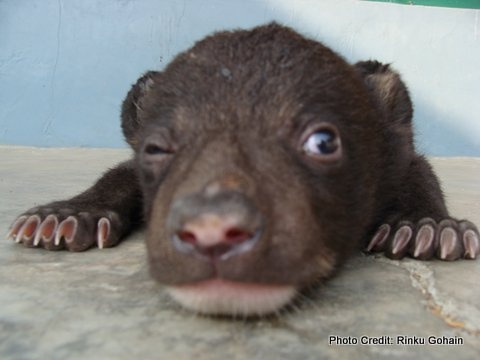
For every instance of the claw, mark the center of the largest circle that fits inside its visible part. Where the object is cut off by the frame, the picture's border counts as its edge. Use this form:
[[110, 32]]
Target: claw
[[28, 229], [103, 231], [471, 244], [67, 230], [47, 229], [401, 239], [36, 239], [448, 244], [424, 241], [378, 240], [12, 233]]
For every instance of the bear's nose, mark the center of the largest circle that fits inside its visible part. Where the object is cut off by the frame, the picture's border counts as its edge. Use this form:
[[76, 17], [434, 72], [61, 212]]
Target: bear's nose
[[215, 228], [215, 236]]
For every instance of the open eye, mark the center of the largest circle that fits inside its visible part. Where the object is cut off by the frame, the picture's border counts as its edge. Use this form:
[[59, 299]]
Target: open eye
[[323, 143]]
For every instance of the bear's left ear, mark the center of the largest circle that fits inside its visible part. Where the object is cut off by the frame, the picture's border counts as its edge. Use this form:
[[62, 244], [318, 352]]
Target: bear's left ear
[[131, 106], [388, 90]]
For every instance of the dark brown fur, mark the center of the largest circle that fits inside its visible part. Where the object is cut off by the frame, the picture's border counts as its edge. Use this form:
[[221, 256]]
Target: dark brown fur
[[232, 113]]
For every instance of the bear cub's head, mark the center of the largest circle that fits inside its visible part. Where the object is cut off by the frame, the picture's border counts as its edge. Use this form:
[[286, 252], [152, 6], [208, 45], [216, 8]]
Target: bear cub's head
[[260, 154]]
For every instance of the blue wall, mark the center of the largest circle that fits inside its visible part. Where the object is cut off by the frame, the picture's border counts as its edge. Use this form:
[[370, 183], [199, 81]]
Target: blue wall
[[65, 66]]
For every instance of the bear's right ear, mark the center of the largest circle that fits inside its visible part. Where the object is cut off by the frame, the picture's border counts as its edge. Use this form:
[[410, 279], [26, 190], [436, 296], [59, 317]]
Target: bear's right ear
[[131, 105]]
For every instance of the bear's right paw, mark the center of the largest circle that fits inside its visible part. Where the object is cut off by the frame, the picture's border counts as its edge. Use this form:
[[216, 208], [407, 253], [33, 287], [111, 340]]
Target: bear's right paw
[[61, 226]]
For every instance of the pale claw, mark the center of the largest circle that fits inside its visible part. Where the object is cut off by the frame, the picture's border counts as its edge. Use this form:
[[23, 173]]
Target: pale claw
[[47, 230], [66, 230], [28, 229], [448, 244], [471, 244], [424, 241], [378, 241], [103, 232], [401, 239], [16, 226]]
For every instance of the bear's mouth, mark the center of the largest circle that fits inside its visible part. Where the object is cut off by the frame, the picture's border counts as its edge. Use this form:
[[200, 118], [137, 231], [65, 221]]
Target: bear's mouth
[[224, 297]]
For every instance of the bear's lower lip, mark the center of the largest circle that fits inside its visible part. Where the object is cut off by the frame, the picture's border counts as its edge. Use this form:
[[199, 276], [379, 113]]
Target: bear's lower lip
[[225, 297]]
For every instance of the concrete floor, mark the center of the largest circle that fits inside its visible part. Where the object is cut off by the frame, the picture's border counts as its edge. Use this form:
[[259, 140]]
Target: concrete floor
[[101, 304]]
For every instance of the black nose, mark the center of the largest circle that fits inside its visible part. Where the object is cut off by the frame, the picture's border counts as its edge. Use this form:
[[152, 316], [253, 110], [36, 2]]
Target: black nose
[[214, 227]]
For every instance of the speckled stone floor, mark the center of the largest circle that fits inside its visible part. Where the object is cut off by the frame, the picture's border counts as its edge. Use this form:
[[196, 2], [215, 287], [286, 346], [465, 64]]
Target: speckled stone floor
[[101, 304]]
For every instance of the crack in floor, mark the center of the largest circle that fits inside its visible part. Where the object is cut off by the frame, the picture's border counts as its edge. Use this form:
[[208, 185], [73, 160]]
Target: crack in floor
[[454, 313]]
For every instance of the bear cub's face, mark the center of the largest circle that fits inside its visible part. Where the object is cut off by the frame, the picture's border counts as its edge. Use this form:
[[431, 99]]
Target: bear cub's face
[[258, 153]]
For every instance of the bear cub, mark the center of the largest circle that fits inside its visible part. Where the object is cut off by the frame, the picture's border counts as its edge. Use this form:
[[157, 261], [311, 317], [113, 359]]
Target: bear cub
[[262, 160]]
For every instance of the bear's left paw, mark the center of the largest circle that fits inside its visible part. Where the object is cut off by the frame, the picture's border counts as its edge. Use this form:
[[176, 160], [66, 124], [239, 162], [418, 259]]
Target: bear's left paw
[[448, 239]]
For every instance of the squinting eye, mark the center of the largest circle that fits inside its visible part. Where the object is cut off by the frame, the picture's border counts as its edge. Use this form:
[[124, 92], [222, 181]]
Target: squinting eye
[[322, 143], [153, 149]]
